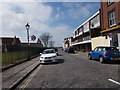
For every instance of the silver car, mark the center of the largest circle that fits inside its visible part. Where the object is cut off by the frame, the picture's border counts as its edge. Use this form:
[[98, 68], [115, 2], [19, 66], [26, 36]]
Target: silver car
[[48, 56]]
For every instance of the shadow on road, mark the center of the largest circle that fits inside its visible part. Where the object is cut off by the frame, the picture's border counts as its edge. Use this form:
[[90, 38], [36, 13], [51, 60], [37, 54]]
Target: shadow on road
[[114, 62], [60, 55], [60, 61], [109, 62]]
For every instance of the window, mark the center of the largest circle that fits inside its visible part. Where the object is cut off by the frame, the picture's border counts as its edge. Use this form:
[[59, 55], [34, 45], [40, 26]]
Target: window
[[110, 2], [96, 49], [111, 18], [86, 27], [100, 49], [95, 22], [75, 33], [80, 30], [104, 49], [111, 49]]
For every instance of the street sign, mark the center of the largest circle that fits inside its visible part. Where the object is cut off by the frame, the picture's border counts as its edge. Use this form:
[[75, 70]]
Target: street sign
[[33, 37]]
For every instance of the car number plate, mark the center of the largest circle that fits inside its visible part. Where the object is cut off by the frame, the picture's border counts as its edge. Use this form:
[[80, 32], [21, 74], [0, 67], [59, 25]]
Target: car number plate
[[115, 58]]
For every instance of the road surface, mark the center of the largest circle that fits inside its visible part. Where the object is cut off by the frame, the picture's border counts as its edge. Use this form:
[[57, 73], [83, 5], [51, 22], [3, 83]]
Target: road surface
[[74, 71]]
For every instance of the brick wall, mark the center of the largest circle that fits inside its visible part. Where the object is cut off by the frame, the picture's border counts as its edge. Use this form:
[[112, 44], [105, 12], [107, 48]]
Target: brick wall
[[104, 13]]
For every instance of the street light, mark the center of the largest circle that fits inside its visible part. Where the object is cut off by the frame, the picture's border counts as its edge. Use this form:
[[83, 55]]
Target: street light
[[27, 27]]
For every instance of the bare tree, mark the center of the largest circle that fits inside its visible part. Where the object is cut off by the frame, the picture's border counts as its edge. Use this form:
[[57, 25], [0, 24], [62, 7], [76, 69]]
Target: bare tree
[[51, 43], [45, 37]]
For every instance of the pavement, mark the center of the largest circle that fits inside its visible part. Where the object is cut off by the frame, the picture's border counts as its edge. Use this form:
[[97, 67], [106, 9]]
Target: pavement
[[15, 75]]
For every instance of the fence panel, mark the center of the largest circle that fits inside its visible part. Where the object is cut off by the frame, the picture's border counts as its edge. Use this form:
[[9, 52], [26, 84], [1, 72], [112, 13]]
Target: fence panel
[[13, 53]]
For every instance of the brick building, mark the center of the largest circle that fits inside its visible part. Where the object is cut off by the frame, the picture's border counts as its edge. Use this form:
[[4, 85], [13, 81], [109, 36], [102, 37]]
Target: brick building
[[10, 41], [110, 21], [67, 42]]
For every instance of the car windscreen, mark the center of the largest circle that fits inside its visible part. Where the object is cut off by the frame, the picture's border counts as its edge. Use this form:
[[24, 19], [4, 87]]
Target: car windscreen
[[48, 51]]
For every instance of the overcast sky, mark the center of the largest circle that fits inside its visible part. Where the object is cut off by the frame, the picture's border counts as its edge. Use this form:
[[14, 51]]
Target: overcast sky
[[60, 19]]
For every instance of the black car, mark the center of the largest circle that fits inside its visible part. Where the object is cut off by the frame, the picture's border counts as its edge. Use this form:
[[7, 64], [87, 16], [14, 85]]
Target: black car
[[69, 50], [56, 50]]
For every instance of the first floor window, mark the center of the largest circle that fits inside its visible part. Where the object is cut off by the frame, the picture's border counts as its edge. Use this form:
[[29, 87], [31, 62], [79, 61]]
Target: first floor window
[[112, 18], [110, 2]]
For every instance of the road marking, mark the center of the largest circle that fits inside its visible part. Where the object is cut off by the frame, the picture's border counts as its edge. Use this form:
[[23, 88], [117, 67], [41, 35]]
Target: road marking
[[114, 81], [30, 78]]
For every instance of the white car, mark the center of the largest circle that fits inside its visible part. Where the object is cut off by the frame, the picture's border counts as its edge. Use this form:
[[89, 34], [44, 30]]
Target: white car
[[48, 56]]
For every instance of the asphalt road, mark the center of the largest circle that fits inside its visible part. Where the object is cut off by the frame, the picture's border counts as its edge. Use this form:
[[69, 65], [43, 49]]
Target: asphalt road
[[74, 71]]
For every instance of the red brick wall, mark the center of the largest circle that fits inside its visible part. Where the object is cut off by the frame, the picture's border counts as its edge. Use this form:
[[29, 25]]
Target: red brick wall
[[119, 10], [104, 13]]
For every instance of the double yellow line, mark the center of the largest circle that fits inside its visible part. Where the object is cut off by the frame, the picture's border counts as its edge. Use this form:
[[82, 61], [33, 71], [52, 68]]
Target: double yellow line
[[30, 78]]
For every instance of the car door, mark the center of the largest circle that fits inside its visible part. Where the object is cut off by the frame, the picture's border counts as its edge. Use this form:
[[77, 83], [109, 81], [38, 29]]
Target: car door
[[94, 53], [99, 52]]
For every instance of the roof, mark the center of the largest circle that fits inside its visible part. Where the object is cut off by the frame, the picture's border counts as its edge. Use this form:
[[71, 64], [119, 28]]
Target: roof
[[10, 41]]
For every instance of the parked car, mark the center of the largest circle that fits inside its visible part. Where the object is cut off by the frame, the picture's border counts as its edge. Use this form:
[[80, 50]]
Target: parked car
[[104, 53], [56, 50], [65, 49], [69, 50], [48, 56]]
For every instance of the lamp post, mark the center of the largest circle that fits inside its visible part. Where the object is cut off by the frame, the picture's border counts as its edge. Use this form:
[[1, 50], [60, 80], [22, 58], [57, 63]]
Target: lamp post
[[27, 28]]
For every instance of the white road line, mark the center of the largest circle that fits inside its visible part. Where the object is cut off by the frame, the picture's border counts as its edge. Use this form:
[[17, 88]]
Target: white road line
[[30, 78], [114, 81]]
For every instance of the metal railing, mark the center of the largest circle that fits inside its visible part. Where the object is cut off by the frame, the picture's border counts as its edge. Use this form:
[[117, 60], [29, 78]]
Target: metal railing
[[86, 38], [82, 39]]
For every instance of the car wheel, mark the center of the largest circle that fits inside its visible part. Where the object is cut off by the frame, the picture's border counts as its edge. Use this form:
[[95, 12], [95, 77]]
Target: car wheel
[[101, 58], [89, 56]]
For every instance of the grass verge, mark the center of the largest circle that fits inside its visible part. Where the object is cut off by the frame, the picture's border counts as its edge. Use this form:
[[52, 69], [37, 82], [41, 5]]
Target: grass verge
[[11, 57]]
